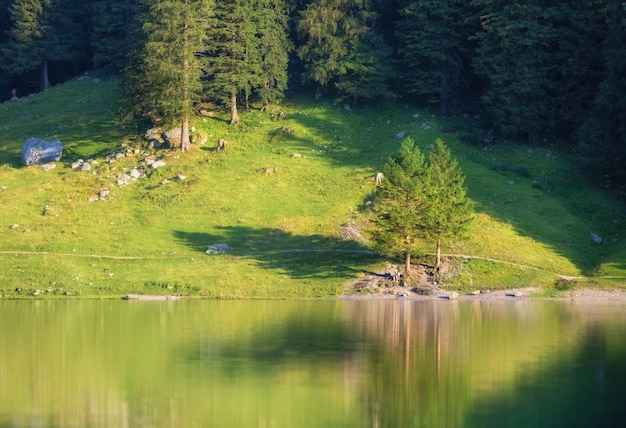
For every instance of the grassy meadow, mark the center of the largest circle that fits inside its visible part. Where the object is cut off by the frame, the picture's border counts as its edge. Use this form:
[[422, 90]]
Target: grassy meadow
[[292, 232]]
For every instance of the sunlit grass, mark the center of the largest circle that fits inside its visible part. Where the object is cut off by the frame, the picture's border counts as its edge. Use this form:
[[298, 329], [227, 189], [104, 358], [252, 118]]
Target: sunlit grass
[[535, 215]]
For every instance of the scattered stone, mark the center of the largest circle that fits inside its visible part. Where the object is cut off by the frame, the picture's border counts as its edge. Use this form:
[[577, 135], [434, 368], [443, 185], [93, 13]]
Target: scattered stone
[[222, 144], [38, 151], [157, 164], [166, 181], [475, 292], [48, 166], [270, 170], [85, 167], [515, 294], [3, 188], [596, 238], [403, 294], [218, 249], [104, 193], [453, 296], [77, 164], [14, 226], [135, 173], [296, 155], [347, 107], [416, 116], [93, 199], [36, 292], [401, 134], [181, 177]]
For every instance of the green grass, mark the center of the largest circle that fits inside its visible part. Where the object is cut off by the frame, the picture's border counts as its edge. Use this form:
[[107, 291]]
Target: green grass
[[534, 220]]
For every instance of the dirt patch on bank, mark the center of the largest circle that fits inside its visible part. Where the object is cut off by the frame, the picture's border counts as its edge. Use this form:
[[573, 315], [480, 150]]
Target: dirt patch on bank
[[383, 285]]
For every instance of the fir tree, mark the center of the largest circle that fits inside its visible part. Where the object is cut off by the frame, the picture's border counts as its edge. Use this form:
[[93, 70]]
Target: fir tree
[[111, 23], [449, 210], [419, 201], [368, 68], [399, 204], [164, 83], [44, 31], [433, 47], [326, 28]]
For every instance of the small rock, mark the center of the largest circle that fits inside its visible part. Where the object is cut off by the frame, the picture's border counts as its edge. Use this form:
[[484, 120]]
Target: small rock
[[104, 193], [48, 166], [181, 177], [77, 164], [401, 134], [3, 188], [14, 226], [166, 181], [453, 296], [157, 164], [93, 198], [85, 167], [218, 249]]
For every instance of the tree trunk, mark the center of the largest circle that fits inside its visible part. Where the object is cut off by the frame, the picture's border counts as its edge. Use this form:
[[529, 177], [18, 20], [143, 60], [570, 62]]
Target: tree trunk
[[438, 256], [45, 78], [407, 264], [185, 143], [234, 116]]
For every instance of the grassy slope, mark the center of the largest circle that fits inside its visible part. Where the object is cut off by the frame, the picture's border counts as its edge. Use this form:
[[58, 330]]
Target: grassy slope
[[150, 237]]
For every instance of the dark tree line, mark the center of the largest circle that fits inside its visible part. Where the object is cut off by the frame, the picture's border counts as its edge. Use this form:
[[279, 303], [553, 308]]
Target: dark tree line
[[539, 70]]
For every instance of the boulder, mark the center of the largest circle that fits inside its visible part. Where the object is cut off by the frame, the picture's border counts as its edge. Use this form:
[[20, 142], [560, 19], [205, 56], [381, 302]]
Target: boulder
[[38, 151]]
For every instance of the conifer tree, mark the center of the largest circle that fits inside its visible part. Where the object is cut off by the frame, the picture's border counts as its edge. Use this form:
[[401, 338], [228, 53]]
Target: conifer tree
[[399, 204], [164, 83], [368, 68], [449, 210], [420, 200], [326, 28], [433, 47], [230, 48], [41, 32], [274, 47], [111, 23]]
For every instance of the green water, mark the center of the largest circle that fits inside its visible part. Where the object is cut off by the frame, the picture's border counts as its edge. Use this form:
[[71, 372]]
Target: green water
[[311, 364]]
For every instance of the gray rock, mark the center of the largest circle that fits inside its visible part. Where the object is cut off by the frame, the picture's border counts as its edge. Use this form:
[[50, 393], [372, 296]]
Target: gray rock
[[218, 249], [453, 296], [38, 151], [48, 166], [157, 164], [401, 134]]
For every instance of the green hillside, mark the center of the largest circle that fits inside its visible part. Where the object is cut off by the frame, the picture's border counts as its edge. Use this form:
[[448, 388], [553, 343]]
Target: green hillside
[[288, 196]]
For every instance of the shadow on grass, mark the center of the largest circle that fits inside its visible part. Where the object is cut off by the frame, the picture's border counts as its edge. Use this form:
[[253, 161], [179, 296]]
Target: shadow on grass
[[299, 256]]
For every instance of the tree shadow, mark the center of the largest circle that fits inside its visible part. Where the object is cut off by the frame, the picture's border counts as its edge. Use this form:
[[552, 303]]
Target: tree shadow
[[299, 256]]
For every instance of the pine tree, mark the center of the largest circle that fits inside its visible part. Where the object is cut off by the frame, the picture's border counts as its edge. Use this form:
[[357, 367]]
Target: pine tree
[[326, 28], [164, 83], [399, 204], [433, 46], [368, 68], [274, 47], [111, 23], [449, 210], [230, 47], [419, 201], [44, 31], [515, 53]]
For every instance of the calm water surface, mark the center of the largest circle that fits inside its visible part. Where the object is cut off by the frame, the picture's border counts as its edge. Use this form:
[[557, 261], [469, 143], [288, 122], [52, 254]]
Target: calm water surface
[[311, 364]]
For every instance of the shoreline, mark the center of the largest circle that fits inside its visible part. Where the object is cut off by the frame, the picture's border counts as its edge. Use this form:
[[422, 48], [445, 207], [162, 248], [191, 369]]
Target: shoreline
[[582, 295]]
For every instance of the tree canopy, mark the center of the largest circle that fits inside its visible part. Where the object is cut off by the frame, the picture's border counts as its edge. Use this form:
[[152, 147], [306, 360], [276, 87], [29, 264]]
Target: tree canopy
[[420, 200], [537, 70]]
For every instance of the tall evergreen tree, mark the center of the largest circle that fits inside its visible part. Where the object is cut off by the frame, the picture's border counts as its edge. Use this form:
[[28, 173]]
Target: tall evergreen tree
[[111, 22], [41, 32], [603, 135], [368, 68], [420, 201], [399, 204], [231, 47], [449, 210], [433, 47], [515, 54], [164, 83], [274, 46], [326, 28]]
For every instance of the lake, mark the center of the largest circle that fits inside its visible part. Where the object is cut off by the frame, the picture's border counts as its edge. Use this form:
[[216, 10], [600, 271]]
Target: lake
[[393, 363]]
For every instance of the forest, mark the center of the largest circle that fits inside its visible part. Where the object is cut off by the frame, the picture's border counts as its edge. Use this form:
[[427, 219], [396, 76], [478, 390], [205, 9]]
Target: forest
[[541, 72]]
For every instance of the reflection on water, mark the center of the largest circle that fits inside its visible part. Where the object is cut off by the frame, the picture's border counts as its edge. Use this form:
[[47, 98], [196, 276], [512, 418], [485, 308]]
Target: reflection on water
[[311, 364]]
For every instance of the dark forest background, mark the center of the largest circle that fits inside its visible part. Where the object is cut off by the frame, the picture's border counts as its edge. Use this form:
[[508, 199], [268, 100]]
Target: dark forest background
[[537, 71]]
